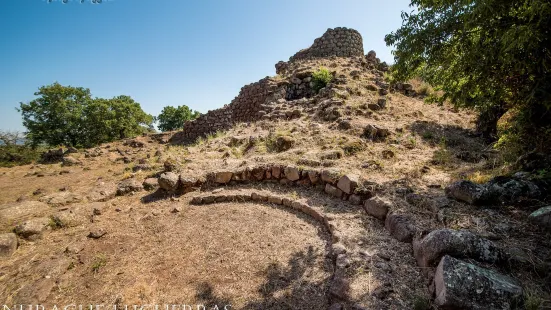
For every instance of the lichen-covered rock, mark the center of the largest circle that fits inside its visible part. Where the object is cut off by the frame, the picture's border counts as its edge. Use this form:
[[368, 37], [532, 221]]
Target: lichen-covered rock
[[32, 229], [168, 181], [460, 285], [506, 189], [348, 183], [128, 186], [541, 217], [457, 243], [467, 191], [400, 227], [377, 207], [8, 244]]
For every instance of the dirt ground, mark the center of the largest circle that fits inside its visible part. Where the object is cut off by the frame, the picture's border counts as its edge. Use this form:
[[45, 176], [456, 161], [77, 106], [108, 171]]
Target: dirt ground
[[258, 256]]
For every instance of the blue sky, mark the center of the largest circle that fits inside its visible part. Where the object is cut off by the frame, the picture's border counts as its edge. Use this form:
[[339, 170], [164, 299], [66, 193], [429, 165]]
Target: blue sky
[[168, 52]]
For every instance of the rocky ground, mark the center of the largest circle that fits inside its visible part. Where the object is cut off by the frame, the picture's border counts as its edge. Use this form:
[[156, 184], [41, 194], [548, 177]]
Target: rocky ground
[[359, 197]]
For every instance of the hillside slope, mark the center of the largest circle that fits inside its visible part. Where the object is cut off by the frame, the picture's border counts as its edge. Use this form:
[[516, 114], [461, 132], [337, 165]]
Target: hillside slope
[[286, 198]]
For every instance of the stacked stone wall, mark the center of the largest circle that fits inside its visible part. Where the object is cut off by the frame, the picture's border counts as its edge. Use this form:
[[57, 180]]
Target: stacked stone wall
[[250, 104], [246, 107], [340, 42]]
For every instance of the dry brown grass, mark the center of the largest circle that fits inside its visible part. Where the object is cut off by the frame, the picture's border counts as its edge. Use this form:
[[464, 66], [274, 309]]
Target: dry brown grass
[[258, 256]]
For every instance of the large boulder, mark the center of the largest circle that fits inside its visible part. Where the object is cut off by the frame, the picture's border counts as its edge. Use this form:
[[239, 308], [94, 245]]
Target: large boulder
[[168, 181], [460, 285], [457, 243], [467, 191], [377, 207], [8, 244], [541, 217]]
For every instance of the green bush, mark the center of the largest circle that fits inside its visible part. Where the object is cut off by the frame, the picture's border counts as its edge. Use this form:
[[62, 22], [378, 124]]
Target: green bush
[[321, 78], [15, 155]]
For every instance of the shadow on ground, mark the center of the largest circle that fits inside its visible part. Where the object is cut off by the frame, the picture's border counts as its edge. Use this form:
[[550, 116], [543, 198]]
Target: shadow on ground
[[286, 286]]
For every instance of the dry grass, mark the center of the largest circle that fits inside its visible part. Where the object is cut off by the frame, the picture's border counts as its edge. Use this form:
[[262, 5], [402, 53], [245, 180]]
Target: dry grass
[[256, 256]]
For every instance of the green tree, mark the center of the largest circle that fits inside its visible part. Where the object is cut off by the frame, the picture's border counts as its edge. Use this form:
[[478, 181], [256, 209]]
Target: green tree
[[55, 116], [172, 118], [65, 115], [491, 55]]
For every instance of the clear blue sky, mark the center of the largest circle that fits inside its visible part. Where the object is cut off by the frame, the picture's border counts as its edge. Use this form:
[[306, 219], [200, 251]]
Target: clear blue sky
[[168, 52]]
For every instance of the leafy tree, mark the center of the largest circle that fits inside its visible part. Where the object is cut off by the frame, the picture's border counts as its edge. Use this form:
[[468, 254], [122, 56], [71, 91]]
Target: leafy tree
[[55, 117], [172, 118], [491, 55], [65, 115]]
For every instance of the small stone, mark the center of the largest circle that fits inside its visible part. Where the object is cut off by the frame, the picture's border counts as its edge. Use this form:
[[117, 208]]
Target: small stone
[[96, 234], [222, 177], [355, 199], [150, 183], [339, 287], [283, 143], [8, 244], [275, 199], [333, 191], [337, 248], [32, 229], [314, 176], [292, 173], [348, 183], [400, 227], [330, 176], [342, 261], [168, 181], [388, 154], [129, 186], [377, 207]]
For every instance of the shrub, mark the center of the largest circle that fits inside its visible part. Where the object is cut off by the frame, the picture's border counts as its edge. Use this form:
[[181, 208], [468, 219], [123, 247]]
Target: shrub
[[321, 78], [15, 155]]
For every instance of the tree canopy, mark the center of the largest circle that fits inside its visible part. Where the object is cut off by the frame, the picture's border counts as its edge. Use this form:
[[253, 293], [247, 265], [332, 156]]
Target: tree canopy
[[65, 115], [491, 55], [172, 118]]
